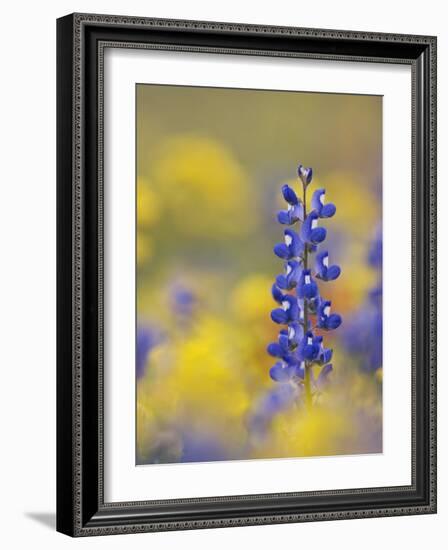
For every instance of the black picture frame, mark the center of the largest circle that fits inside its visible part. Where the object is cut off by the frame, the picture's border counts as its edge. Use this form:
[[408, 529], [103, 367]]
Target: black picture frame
[[81, 510]]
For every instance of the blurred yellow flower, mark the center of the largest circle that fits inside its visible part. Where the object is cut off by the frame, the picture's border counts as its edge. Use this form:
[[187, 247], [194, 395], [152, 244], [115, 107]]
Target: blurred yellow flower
[[148, 204], [297, 433], [358, 209], [204, 187], [251, 298], [198, 386]]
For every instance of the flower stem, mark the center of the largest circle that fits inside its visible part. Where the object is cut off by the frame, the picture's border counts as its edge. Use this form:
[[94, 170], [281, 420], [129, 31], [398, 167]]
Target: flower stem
[[308, 366]]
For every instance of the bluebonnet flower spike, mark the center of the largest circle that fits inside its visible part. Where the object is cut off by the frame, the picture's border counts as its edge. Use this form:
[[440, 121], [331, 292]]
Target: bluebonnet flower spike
[[318, 204], [298, 350], [323, 270]]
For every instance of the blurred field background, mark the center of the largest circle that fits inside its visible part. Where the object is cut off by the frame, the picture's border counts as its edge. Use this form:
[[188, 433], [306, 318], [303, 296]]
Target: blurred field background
[[210, 166]]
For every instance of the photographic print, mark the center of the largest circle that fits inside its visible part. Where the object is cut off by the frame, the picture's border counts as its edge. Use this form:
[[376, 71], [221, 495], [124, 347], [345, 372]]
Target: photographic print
[[259, 274], [246, 274]]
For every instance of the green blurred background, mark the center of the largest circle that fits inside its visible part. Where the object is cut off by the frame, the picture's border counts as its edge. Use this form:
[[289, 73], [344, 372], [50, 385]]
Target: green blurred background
[[210, 166]]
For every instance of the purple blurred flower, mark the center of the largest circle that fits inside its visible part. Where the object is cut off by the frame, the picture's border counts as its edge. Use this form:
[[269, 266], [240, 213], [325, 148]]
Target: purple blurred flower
[[146, 340]]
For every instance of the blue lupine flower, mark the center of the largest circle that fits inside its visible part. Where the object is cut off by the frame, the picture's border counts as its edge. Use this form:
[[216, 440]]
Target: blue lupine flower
[[289, 311], [277, 294], [375, 257], [376, 296], [323, 270], [308, 349], [284, 349], [290, 278], [310, 232], [295, 334], [290, 196], [292, 247], [318, 204], [295, 209], [363, 335], [305, 174], [306, 287], [298, 350], [277, 399], [325, 354], [147, 339], [280, 348], [325, 319], [282, 372], [183, 301], [274, 401]]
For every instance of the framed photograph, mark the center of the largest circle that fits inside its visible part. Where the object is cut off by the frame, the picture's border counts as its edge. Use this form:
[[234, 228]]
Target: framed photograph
[[246, 274]]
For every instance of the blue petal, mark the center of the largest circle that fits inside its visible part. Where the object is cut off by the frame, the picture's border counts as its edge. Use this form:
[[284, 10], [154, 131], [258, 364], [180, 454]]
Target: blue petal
[[318, 235], [333, 272], [295, 333], [328, 210], [289, 195], [275, 350], [279, 373], [306, 290], [334, 320], [282, 251], [279, 316], [296, 247], [277, 294], [281, 282], [321, 310], [310, 235], [293, 311], [297, 212], [284, 218], [283, 340], [320, 267], [310, 290], [291, 359], [316, 203], [292, 278], [308, 351]]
